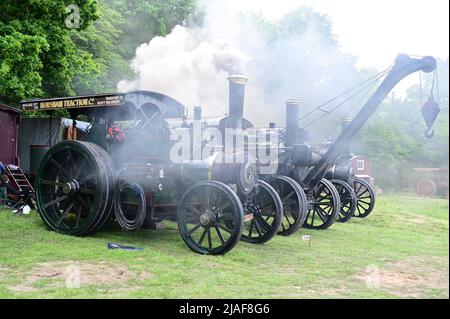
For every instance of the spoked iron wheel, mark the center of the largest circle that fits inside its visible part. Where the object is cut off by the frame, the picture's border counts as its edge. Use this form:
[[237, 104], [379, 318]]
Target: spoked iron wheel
[[324, 206], [210, 218], [348, 200], [366, 198], [294, 204], [263, 214], [75, 187]]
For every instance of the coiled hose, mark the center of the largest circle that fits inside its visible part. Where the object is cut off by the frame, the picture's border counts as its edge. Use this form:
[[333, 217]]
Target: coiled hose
[[136, 222]]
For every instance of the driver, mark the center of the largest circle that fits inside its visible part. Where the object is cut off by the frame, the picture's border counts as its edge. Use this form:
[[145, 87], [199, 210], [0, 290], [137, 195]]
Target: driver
[[115, 134]]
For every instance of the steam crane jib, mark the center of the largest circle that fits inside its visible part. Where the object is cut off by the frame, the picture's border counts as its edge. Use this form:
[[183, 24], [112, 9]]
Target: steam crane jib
[[404, 65]]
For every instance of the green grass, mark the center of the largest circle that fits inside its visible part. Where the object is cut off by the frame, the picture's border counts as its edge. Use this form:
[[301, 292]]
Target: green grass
[[405, 241]]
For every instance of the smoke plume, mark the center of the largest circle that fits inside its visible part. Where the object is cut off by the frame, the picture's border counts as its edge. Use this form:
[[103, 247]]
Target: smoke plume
[[186, 67], [191, 64]]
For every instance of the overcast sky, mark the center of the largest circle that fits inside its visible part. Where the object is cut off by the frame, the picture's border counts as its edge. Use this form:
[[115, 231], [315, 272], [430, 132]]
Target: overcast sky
[[374, 30]]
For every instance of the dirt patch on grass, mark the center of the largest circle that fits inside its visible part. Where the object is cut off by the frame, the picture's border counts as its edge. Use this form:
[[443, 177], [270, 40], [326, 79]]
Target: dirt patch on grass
[[412, 218], [414, 277], [3, 271], [73, 274], [418, 219]]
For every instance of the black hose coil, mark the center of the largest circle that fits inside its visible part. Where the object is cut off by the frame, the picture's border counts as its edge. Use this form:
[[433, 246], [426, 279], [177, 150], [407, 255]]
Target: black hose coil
[[136, 222]]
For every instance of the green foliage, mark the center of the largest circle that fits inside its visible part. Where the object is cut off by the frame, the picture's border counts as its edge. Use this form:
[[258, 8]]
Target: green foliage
[[145, 19], [301, 20], [41, 57], [20, 64], [37, 55]]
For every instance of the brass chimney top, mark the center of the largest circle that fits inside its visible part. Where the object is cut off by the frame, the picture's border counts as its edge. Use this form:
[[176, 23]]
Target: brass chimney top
[[237, 79]]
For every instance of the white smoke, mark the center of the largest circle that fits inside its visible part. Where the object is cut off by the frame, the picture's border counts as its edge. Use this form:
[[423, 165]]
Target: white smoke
[[187, 66], [192, 65]]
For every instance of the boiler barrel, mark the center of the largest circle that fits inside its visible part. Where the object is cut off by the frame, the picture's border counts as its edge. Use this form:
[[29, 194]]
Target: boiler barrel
[[36, 155]]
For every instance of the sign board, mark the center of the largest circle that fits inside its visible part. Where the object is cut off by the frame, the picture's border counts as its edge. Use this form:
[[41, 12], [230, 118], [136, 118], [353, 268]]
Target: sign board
[[73, 102]]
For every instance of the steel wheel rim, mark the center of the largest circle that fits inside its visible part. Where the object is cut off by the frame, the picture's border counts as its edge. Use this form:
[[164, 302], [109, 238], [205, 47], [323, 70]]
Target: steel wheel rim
[[266, 207], [365, 199], [202, 218], [347, 198], [57, 203], [294, 203], [323, 206]]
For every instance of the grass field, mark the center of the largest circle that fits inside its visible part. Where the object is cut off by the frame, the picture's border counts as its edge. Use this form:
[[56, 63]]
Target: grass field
[[400, 251]]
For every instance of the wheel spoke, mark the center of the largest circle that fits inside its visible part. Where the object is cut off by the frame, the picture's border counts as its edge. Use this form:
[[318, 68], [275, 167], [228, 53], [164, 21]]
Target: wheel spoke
[[287, 197], [51, 183], [193, 209], [208, 198], [194, 229], [365, 191], [83, 202], [87, 178], [287, 219], [70, 160], [227, 216], [219, 234], [258, 228], [266, 212], [79, 170], [87, 191], [209, 238], [252, 225], [202, 237], [77, 222], [264, 225], [223, 206], [64, 215], [60, 169], [55, 201], [359, 188], [364, 208], [323, 215], [359, 211], [225, 228]]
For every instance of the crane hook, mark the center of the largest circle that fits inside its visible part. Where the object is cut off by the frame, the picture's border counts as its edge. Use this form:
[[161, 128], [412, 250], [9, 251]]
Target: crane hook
[[429, 133]]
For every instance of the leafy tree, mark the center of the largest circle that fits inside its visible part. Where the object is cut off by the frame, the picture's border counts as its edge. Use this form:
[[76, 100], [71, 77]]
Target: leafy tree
[[41, 56], [37, 54], [102, 41], [145, 19]]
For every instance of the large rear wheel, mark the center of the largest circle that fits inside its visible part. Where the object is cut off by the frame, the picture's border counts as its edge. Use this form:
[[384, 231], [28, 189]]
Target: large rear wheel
[[75, 187]]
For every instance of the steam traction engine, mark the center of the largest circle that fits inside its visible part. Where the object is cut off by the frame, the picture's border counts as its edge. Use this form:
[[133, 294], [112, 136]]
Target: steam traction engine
[[326, 175], [123, 166]]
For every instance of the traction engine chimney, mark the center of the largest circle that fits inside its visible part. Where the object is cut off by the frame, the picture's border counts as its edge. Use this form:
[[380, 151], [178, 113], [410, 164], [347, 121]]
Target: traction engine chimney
[[292, 118], [236, 100]]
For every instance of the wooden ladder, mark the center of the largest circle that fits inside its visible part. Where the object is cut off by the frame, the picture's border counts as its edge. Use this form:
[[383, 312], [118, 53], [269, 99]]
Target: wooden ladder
[[20, 180]]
